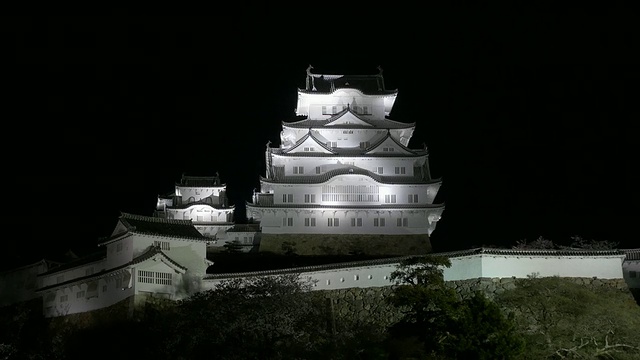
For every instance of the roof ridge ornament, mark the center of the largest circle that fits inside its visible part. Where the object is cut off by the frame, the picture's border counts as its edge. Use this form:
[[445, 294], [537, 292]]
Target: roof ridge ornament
[[311, 86], [381, 83]]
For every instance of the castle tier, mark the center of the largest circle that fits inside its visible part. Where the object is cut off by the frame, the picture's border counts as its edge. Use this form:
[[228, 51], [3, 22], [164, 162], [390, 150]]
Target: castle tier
[[344, 177], [201, 199]]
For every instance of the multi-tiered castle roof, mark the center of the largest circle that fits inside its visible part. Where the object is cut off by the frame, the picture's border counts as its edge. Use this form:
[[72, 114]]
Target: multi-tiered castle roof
[[344, 168]]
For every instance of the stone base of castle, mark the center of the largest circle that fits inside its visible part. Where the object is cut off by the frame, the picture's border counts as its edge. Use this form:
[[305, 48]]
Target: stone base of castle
[[329, 244]]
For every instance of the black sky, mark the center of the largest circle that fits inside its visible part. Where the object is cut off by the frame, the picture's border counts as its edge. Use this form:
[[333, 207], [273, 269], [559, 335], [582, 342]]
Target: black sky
[[529, 115]]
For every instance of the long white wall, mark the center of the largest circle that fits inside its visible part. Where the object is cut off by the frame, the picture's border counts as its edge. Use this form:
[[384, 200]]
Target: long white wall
[[462, 268]]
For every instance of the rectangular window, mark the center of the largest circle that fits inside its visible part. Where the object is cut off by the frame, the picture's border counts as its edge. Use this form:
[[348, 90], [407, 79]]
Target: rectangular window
[[380, 170], [356, 221], [309, 198], [413, 198], [378, 222], [287, 221], [403, 222], [145, 277], [390, 198], [364, 144], [309, 222], [163, 245], [163, 278], [79, 294], [104, 288], [298, 169], [400, 170], [287, 198], [64, 298], [317, 169], [333, 222]]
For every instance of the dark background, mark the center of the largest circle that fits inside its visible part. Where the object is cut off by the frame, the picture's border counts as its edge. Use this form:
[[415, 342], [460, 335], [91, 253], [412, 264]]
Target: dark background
[[529, 115]]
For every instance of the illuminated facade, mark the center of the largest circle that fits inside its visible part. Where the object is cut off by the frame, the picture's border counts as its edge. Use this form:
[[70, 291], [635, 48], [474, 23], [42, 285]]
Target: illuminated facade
[[144, 257], [344, 167], [203, 200]]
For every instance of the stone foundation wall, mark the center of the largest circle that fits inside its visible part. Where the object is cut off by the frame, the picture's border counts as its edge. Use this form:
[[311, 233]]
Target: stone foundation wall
[[369, 305], [344, 244], [343, 306]]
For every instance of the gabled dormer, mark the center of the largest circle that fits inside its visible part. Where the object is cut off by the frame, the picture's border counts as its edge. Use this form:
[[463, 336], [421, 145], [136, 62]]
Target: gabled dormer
[[389, 146], [310, 144], [349, 118]]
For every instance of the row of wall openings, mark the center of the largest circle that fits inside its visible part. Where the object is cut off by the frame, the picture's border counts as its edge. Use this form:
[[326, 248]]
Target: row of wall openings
[[151, 277], [356, 222], [357, 277]]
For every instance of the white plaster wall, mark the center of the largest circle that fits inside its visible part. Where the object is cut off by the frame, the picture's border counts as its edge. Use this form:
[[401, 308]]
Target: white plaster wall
[[191, 194], [311, 104], [426, 192], [75, 272], [464, 267], [327, 164], [156, 266], [188, 253], [468, 267], [200, 213], [107, 294], [120, 255], [609, 267], [271, 221]]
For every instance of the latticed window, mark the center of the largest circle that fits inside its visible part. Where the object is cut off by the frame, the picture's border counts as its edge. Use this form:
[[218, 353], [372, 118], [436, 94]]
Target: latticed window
[[163, 278], [163, 245], [350, 193], [145, 276]]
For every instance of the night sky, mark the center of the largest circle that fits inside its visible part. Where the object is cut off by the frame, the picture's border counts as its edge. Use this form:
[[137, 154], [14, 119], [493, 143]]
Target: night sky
[[528, 118]]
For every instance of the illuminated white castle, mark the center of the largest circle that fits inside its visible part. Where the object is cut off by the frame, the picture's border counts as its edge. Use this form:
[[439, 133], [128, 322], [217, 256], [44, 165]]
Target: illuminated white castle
[[345, 169], [203, 200]]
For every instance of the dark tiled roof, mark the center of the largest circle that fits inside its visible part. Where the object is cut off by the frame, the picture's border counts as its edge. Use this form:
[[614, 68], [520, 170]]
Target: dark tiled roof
[[200, 181], [354, 152], [153, 251], [244, 228], [327, 83], [350, 152], [632, 254], [374, 124], [350, 170], [532, 252], [160, 226]]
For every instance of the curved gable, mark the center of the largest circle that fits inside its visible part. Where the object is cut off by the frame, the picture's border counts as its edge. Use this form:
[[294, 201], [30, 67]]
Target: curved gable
[[309, 143], [389, 146]]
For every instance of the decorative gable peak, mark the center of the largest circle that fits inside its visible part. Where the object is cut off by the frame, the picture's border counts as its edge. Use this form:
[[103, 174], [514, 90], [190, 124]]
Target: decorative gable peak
[[347, 117]]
